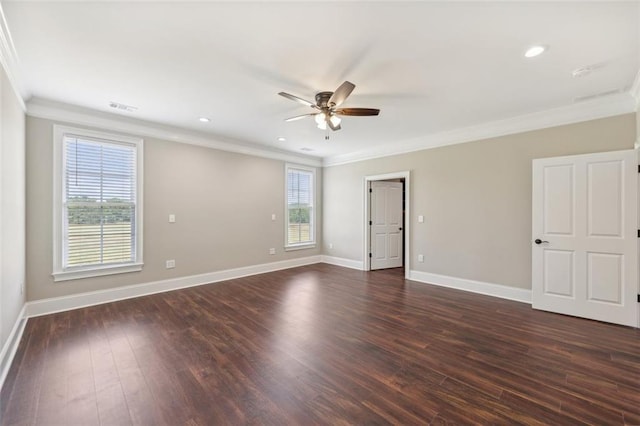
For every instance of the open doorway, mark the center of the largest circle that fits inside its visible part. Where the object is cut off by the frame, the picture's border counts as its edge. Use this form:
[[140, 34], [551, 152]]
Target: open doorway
[[387, 204]]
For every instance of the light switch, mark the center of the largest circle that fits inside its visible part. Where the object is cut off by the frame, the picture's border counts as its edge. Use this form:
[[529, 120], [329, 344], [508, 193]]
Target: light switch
[[420, 258], [420, 219], [273, 216], [172, 218]]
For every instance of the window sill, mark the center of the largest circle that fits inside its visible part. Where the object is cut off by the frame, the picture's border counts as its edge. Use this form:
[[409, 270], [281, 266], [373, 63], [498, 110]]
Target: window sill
[[300, 247], [96, 272]]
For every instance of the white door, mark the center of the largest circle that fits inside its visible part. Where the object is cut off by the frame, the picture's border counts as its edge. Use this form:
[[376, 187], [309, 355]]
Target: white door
[[585, 256], [386, 224]]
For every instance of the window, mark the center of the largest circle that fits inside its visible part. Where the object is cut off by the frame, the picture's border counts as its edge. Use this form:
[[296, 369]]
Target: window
[[97, 204], [300, 197]]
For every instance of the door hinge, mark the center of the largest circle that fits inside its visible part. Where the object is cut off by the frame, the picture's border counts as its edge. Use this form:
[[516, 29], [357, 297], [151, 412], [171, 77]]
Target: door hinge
[[638, 233], [371, 223], [369, 254], [639, 298], [371, 190], [638, 168]]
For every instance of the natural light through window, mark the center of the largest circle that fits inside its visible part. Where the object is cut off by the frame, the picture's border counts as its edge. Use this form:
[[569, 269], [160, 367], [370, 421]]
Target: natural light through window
[[99, 229], [300, 214]]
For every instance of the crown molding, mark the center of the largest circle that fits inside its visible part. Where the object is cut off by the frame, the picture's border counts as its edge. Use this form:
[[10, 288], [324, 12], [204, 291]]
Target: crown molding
[[60, 112], [9, 59], [609, 106]]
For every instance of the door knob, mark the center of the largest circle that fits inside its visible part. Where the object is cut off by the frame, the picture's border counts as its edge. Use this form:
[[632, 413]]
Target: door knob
[[539, 241]]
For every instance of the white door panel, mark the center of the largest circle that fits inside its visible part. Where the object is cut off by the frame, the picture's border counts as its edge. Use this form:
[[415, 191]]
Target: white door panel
[[604, 208], [386, 224], [604, 277], [585, 214], [558, 273], [559, 200]]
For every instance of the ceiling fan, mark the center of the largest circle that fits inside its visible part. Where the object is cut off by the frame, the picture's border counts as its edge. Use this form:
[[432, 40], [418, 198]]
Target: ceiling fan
[[327, 103]]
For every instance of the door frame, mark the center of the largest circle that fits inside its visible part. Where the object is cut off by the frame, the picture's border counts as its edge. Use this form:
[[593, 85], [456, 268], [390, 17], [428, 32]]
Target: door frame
[[406, 217]]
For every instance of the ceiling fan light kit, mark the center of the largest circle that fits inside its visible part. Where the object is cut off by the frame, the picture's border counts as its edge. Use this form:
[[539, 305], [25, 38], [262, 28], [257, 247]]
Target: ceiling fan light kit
[[328, 114]]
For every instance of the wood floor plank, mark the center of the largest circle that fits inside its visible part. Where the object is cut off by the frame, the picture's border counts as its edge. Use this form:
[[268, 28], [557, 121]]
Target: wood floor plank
[[320, 345]]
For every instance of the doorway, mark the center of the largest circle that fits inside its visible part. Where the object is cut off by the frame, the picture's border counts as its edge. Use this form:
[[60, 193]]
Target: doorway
[[386, 222]]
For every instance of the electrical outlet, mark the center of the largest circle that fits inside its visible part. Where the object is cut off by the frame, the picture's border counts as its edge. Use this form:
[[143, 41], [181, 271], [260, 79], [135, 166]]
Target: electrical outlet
[[421, 258], [330, 245], [272, 251], [172, 218], [420, 219], [171, 264], [273, 216]]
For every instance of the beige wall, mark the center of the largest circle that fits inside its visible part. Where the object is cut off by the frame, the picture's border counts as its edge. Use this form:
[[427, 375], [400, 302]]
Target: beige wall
[[475, 197], [222, 201], [12, 211]]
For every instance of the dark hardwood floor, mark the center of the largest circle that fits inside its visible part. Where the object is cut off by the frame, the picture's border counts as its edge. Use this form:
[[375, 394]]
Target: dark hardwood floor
[[321, 345]]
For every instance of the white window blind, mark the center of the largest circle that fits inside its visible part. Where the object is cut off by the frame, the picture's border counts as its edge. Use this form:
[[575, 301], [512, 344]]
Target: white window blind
[[99, 202], [300, 200]]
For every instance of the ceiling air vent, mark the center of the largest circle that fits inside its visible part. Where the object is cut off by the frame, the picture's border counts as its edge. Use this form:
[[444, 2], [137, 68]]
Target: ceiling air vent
[[122, 107]]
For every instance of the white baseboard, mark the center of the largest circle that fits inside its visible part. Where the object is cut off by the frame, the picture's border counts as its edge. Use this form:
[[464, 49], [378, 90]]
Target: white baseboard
[[75, 301], [11, 345], [489, 289], [340, 261]]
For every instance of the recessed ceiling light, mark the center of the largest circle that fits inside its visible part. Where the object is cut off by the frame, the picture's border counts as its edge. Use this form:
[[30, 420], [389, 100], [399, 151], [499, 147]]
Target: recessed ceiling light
[[204, 119], [281, 139], [534, 51]]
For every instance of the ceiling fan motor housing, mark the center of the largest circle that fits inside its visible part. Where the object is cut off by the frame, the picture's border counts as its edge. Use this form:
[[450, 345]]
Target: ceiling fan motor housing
[[322, 99]]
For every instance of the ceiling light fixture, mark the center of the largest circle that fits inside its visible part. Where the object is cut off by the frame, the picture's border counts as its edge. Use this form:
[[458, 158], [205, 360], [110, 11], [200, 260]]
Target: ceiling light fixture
[[281, 139], [534, 51], [321, 120], [204, 119]]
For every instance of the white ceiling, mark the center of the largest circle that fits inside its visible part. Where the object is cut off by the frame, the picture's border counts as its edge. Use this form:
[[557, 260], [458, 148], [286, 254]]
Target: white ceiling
[[431, 67]]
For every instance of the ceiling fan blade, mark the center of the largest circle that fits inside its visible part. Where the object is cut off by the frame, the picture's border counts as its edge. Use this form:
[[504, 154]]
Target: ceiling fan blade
[[299, 117], [297, 99], [341, 94], [358, 112]]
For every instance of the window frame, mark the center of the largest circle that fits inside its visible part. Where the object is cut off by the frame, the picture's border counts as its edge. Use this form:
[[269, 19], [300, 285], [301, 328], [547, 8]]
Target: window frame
[[307, 244], [60, 273]]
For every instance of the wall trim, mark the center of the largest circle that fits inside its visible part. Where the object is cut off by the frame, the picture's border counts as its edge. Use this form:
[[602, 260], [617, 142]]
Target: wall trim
[[11, 345], [341, 261], [488, 289], [60, 112], [66, 303], [618, 104], [635, 90], [9, 59]]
